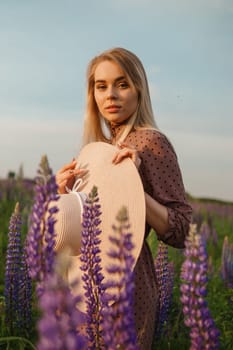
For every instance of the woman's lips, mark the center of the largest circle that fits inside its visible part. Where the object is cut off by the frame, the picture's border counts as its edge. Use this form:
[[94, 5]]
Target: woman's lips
[[113, 108]]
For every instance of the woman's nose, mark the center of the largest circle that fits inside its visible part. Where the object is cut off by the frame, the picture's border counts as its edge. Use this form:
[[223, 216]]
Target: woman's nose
[[111, 93]]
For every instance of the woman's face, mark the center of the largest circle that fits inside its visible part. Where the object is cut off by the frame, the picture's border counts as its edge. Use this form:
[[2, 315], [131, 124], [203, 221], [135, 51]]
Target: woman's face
[[115, 96]]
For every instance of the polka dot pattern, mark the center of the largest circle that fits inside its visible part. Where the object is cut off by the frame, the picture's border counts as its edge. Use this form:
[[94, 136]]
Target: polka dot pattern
[[162, 179]]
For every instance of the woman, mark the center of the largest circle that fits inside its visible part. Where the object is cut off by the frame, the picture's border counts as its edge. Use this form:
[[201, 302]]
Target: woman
[[119, 112]]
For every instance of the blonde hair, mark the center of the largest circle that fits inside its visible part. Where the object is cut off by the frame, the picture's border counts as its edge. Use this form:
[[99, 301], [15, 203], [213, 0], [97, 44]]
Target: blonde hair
[[94, 124]]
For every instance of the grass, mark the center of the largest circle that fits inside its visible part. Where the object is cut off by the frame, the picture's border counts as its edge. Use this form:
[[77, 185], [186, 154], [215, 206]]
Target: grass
[[176, 334]]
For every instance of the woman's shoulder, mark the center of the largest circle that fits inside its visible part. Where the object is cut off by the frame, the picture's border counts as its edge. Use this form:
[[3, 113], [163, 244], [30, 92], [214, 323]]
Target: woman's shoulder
[[153, 141], [153, 136]]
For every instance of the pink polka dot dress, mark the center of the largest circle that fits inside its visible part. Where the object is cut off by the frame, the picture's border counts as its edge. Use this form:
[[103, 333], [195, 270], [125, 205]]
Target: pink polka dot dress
[[162, 180]]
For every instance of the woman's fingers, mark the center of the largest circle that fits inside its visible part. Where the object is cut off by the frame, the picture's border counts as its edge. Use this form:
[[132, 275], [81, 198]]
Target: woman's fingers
[[63, 180], [67, 167], [65, 177], [126, 151], [120, 155]]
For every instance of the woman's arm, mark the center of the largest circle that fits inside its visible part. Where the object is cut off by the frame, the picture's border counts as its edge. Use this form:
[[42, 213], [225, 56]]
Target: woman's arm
[[156, 215], [167, 210]]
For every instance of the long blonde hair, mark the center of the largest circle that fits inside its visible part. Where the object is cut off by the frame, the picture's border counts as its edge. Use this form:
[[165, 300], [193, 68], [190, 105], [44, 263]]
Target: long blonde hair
[[94, 124]]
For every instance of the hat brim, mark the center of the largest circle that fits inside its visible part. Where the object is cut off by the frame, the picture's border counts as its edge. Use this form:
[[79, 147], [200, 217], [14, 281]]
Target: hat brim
[[118, 185]]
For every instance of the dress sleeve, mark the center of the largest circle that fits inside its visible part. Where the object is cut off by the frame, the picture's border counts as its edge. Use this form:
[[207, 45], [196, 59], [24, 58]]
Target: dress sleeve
[[163, 181]]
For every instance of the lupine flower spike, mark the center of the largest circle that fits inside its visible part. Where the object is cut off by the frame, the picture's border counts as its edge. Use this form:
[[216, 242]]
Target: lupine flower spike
[[59, 326], [227, 263], [91, 267], [203, 331], [118, 318], [40, 256], [17, 283], [25, 294], [165, 277]]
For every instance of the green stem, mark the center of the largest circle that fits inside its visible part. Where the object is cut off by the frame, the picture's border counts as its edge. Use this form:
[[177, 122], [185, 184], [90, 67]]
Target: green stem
[[7, 339]]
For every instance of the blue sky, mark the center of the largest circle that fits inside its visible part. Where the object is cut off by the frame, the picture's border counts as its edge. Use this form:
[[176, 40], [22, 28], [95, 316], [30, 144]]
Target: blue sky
[[186, 48]]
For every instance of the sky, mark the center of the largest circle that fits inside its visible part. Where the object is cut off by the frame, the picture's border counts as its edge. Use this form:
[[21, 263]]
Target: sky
[[186, 48]]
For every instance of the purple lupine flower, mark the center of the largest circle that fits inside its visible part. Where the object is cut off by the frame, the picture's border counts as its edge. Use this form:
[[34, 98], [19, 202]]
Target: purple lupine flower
[[227, 263], [12, 272], [25, 294], [117, 313], [205, 230], [208, 232], [60, 326], [203, 331], [224, 211], [92, 276], [40, 238], [165, 277], [18, 310]]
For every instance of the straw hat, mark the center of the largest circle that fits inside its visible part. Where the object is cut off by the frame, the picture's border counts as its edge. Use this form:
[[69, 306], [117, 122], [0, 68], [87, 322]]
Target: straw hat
[[118, 185]]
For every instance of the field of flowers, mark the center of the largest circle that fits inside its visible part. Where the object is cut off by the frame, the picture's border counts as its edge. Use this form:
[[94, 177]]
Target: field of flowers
[[37, 310]]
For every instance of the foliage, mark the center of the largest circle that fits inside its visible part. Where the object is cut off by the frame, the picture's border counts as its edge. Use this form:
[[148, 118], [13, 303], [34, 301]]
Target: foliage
[[219, 217], [218, 220]]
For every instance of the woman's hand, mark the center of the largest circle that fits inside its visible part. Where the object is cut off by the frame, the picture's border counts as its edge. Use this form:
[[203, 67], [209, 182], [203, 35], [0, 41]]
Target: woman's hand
[[125, 151], [65, 177]]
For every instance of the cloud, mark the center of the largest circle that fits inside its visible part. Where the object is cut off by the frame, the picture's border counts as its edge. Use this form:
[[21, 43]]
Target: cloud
[[205, 163], [25, 141], [225, 5], [154, 69], [154, 91], [179, 6]]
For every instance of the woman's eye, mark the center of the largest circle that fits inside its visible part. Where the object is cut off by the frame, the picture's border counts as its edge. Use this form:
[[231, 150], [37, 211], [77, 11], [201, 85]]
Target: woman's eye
[[100, 87], [123, 85]]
